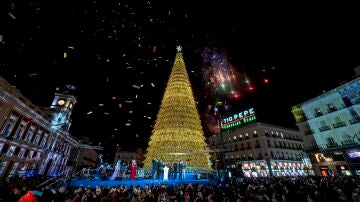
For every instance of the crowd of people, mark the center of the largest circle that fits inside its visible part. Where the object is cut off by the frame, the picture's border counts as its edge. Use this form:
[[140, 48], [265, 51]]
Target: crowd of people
[[269, 189]]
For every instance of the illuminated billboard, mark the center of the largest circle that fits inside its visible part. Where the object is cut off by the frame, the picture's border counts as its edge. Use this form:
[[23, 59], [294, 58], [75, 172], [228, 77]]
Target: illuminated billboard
[[354, 154], [237, 119]]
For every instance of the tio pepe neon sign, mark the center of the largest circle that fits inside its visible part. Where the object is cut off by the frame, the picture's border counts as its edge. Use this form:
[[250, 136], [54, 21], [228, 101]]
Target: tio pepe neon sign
[[237, 119]]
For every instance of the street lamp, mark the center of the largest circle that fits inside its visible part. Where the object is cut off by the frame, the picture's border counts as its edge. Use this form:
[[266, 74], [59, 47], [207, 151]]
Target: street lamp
[[223, 156]]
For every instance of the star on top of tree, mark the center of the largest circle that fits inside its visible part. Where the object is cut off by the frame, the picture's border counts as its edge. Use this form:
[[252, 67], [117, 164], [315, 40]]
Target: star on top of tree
[[179, 48]]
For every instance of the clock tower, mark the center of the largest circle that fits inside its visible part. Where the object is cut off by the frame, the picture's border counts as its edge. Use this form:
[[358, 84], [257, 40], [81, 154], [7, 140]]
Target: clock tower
[[62, 107]]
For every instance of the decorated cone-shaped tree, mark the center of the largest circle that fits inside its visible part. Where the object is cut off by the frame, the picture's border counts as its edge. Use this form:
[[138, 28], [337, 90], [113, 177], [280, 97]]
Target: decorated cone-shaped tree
[[178, 134]]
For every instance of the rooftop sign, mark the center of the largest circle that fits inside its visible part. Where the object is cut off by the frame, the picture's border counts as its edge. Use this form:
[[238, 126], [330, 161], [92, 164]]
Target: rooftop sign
[[237, 119]]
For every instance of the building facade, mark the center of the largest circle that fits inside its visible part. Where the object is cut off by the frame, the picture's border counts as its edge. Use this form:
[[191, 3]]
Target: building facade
[[34, 140], [331, 124], [260, 149]]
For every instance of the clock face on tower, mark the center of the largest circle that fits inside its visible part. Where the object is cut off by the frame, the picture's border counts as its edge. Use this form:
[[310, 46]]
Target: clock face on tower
[[61, 102]]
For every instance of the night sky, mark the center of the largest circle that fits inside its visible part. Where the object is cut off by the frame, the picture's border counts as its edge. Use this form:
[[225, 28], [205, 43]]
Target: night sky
[[119, 54]]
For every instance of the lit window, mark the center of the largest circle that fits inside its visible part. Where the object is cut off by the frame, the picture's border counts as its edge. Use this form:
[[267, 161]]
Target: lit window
[[255, 132], [44, 139], [14, 168], [20, 130], [37, 137], [3, 166], [21, 153], [30, 134], [31, 153], [10, 151], [8, 126]]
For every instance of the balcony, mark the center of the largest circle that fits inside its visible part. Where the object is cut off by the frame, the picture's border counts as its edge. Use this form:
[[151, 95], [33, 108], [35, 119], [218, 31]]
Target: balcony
[[339, 124], [354, 120], [317, 114], [324, 128], [331, 145], [332, 109], [348, 143]]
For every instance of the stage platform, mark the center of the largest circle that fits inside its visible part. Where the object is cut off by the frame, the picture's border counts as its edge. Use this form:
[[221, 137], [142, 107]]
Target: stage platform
[[114, 183]]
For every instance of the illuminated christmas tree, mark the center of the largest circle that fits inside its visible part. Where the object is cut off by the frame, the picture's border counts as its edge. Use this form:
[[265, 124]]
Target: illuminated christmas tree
[[178, 134]]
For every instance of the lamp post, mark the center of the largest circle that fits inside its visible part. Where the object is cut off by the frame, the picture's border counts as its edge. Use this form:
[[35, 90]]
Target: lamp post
[[268, 161], [223, 156]]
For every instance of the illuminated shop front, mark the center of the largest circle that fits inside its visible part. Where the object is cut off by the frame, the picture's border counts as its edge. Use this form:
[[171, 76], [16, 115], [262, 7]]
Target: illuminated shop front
[[259, 168], [332, 164], [291, 168]]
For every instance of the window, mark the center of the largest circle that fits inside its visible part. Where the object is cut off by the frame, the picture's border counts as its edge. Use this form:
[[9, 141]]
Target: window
[[20, 130], [248, 145], [345, 136], [44, 139], [2, 166], [37, 137], [1, 146], [10, 151], [30, 155], [29, 134], [38, 156], [21, 153], [51, 140], [331, 141], [331, 107], [318, 112], [8, 126], [13, 169]]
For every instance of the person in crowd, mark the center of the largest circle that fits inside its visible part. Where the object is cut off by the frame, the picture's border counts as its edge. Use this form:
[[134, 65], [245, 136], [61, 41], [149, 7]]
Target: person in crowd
[[166, 172], [182, 170], [154, 165], [161, 170], [174, 171], [133, 168], [29, 196], [116, 172]]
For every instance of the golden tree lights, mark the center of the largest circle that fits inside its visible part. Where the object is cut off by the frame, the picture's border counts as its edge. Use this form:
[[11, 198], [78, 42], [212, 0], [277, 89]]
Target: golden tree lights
[[177, 134]]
